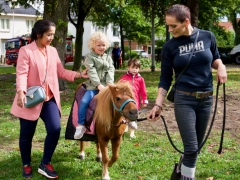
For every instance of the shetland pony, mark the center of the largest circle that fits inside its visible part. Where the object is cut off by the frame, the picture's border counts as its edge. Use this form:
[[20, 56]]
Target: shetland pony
[[115, 108]]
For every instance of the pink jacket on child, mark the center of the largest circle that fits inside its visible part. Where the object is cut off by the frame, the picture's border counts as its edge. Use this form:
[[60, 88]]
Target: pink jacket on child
[[139, 87]]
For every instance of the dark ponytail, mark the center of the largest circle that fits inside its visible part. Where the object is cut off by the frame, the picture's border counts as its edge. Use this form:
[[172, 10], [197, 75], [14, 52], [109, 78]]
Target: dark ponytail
[[40, 27]]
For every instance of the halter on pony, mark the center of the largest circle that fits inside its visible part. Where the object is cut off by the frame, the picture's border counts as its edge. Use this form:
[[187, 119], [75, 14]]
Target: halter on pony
[[123, 105]]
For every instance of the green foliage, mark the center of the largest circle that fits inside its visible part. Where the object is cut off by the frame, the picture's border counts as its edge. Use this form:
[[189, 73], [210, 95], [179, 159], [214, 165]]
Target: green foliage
[[128, 17], [133, 54], [211, 11], [126, 48], [146, 63], [156, 7], [160, 32], [61, 24], [223, 37]]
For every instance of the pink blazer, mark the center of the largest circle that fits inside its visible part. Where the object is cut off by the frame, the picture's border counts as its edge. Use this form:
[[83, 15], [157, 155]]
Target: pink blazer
[[30, 72]]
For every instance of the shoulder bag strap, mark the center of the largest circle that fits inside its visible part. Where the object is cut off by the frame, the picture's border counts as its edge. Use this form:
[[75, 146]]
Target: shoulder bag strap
[[190, 57]]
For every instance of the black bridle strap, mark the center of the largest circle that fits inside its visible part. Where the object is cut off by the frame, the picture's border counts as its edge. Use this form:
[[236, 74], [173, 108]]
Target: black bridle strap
[[210, 128]]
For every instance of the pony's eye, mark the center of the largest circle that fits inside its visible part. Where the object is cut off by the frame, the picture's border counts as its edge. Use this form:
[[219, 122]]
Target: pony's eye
[[118, 98]]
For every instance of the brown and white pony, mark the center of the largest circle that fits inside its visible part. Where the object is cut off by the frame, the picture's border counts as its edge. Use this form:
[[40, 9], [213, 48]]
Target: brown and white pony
[[115, 108]]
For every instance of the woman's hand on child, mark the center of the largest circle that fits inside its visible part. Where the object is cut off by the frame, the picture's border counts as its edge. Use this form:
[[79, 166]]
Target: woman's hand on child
[[84, 74]]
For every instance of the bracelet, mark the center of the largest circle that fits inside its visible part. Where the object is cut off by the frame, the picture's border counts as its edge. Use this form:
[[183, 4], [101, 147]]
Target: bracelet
[[80, 74], [160, 107]]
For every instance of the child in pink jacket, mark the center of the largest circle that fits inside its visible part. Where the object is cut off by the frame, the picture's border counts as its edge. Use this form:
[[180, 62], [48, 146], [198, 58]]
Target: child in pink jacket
[[139, 88]]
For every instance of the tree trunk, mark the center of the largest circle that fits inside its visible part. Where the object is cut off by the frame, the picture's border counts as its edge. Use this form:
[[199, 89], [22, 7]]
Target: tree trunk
[[236, 27], [82, 11], [122, 42], [193, 5], [78, 44], [153, 42], [53, 10]]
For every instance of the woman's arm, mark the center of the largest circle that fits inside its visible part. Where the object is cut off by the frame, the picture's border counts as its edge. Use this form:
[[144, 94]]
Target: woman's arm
[[157, 108], [221, 71], [82, 74]]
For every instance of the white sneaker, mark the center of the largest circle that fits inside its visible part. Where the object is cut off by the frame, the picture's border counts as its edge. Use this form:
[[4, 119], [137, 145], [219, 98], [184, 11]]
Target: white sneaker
[[133, 125], [80, 130]]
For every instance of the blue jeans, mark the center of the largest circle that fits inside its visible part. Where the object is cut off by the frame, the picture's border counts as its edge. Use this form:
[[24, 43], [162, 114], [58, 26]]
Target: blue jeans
[[51, 118], [82, 109], [192, 116]]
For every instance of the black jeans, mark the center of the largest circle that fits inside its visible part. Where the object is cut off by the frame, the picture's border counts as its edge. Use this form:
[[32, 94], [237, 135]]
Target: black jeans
[[116, 62], [192, 117], [51, 118]]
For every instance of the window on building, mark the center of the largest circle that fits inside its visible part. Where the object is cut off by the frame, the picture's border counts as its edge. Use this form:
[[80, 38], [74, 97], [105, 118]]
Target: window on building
[[29, 25], [4, 24], [115, 31]]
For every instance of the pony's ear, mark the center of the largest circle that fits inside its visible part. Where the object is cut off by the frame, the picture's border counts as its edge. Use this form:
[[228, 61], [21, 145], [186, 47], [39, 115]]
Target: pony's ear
[[112, 87]]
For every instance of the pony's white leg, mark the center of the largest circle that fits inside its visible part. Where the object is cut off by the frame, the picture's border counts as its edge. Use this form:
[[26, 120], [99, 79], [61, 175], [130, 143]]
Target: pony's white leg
[[106, 176], [131, 133], [126, 129], [105, 159], [81, 154]]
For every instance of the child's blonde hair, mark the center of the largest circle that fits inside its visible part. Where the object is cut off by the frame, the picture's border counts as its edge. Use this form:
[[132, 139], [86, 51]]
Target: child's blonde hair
[[98, 36]]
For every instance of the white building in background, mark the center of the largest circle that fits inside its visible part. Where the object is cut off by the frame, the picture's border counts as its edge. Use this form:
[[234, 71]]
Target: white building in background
[[14, 22], [19, 21], [89, 28]]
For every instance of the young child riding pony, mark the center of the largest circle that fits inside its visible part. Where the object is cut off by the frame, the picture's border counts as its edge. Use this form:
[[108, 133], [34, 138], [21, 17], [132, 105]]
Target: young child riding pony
[[101, 73]]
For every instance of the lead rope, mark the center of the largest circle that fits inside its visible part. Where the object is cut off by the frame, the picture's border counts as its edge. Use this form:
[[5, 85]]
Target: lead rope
[[224, 120], [210, 128]]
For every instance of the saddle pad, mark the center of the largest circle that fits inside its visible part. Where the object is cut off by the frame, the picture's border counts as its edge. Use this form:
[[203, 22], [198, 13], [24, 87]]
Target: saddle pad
[[73, 118]]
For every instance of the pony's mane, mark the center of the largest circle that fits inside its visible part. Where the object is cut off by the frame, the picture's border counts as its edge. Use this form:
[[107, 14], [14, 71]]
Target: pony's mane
[[104, 112]]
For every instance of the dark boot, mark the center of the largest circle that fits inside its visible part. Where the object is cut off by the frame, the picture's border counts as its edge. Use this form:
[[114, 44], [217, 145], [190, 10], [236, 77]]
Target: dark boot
[[175, 175]]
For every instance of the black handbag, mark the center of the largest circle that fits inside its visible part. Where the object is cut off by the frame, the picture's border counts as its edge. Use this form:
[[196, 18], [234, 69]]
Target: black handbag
[[171, 92]]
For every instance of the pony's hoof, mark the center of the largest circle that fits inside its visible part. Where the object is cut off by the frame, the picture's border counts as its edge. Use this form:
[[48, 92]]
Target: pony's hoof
[[98, 159], [81, 157], [132, 136], [106, 178]]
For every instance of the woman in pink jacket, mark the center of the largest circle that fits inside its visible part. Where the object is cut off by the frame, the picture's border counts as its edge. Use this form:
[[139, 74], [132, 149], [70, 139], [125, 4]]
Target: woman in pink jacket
[[39, 65]]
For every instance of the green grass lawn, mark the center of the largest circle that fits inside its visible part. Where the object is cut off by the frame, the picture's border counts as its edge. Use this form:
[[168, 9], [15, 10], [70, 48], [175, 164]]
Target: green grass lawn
[[148, 157]]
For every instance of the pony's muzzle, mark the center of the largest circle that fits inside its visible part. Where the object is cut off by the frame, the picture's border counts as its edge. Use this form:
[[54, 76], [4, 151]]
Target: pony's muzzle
[[132, 114]]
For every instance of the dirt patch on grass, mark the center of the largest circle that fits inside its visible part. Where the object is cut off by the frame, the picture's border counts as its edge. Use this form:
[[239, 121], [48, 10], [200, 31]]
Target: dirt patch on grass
[[232, 117]]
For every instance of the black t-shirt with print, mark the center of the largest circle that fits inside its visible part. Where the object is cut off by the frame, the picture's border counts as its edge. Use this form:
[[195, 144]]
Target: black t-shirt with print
[[175, 54]]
